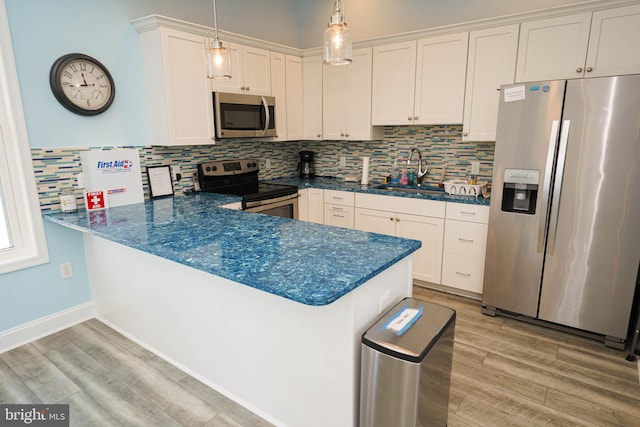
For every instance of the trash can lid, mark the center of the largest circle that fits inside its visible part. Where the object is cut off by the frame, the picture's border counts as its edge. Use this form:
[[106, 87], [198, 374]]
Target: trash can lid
[[410, 329]]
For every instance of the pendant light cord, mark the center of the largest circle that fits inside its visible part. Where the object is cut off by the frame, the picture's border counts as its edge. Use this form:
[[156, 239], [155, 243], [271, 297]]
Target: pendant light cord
[[215, 19]]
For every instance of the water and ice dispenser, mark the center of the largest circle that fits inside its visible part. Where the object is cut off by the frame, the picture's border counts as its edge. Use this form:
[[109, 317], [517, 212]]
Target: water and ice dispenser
[[520, 190]]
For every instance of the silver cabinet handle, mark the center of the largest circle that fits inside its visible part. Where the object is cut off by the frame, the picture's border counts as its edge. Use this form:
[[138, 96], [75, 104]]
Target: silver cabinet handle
[[557, 186], [589, 69], [346, 134], [391, 219], [397, 219], [579, 70], [416, 117], [335, 208], [318, 135], [553, 141], [338, 216], [409, 118], [467, 213], [463, 274], [465, 240], [465, 133]]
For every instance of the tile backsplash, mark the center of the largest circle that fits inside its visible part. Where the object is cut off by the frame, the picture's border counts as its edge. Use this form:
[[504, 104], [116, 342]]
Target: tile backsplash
[[441, 146]]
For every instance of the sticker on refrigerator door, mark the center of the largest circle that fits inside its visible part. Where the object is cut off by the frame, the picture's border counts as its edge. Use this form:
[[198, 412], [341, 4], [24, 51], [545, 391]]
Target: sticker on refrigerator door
[[515, 93]]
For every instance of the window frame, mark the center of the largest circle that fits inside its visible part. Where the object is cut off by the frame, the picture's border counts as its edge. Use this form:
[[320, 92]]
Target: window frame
[[19, 190]]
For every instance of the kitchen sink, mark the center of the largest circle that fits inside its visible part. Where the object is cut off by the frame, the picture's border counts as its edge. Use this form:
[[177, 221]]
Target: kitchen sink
[[413, 190]]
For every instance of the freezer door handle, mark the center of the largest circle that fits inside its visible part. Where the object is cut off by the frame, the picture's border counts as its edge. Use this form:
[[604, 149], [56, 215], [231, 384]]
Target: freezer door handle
[[557, 186], [546, 185]]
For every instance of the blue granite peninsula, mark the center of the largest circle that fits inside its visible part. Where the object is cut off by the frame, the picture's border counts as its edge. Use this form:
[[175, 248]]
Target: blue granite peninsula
[[268, 311]]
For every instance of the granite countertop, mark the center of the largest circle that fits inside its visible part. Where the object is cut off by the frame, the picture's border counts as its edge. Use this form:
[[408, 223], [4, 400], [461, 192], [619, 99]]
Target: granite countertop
[[309, 263], [327, 183]]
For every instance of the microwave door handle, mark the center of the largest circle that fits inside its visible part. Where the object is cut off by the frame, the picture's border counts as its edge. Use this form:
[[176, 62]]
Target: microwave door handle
[[266, 115]]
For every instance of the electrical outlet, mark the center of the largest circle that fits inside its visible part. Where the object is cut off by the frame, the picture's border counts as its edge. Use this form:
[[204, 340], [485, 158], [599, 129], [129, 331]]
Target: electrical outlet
[[66, 271], [268, 164], [475, 167], [343, 161], [80, 179]]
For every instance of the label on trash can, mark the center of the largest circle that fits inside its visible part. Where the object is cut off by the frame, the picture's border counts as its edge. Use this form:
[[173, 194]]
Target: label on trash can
[[402, 320]]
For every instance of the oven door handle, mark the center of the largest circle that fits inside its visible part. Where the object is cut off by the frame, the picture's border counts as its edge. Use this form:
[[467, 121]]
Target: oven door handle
[[266, 115], [265, 202]]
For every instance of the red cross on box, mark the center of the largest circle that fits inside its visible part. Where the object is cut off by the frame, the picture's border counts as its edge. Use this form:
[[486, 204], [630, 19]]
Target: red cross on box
[[95, 200]]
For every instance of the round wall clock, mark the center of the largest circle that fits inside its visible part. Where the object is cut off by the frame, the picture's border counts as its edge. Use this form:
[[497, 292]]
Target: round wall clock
[[82, 84]]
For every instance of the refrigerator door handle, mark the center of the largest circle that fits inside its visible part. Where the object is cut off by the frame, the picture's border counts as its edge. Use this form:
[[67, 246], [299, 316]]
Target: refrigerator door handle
[[546, 185], [557, 186]]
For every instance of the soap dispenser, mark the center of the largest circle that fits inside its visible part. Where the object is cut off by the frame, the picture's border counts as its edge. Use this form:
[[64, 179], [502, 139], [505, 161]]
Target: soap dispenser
[[395, 172]]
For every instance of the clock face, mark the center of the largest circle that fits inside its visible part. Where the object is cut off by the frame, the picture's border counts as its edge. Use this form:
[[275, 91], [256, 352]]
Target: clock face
[[82, 84]]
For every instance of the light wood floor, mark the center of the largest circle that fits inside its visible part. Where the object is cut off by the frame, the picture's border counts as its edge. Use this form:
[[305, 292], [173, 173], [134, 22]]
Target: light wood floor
[[505, 373]]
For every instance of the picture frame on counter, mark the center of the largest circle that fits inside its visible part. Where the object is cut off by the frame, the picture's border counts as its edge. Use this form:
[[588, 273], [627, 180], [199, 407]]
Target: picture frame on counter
[[160, 182]]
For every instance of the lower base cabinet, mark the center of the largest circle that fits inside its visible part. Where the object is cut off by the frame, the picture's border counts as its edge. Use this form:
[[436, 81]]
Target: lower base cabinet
[[465, 241], [427, 261], [311, 205]]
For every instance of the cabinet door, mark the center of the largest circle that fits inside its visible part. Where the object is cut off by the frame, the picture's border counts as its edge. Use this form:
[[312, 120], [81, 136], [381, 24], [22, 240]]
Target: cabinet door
[[440, 79], [295, 117], [316, 205], [256, 70], [555, 48], [312, 96], [492, 62], [375, 221], [189, 108], [334, 101], [339, 216], [303, 204], [279, 92], [394, 78], [358, 113], [427, 261], [234, 84], [613, 44]]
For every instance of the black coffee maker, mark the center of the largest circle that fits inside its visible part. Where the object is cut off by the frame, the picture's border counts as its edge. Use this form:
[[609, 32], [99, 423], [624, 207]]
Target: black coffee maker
[[305, 166]]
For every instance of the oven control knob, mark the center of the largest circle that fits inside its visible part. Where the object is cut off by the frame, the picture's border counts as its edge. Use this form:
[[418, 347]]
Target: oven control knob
[[254, 164], [214, 168], [208, 169]]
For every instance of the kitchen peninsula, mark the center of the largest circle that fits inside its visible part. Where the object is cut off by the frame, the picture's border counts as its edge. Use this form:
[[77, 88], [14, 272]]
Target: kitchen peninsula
[[266, 310]]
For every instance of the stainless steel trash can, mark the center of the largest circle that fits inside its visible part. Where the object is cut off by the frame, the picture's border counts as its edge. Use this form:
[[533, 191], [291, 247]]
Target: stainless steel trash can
[[406, 366]]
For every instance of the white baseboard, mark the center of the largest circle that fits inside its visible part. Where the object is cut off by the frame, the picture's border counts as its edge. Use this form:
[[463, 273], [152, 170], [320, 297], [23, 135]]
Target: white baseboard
[[44, 326]]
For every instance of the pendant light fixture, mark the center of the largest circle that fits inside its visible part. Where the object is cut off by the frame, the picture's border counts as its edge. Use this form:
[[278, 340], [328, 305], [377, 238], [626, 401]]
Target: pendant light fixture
[[337, 38], [218, 58]]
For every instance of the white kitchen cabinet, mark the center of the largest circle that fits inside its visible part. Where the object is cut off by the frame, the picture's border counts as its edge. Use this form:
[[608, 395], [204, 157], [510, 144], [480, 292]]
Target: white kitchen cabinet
[[440, 79], [177, 93], [312, 96], [465, 240], [410, 218], [582, 45], [279, 92], [394, 79], [294, 98], [420, 82], [311, 205], [553, 48], [613, 43], [346, 100], [339, 208], [491, 63], [250, 71]]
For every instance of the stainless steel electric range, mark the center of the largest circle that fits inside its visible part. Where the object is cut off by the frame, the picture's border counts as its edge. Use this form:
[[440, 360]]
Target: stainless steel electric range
[[240, 178]]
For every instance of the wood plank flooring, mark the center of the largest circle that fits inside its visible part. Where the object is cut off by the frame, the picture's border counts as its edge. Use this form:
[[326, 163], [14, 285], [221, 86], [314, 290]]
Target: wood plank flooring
[[505, 373]]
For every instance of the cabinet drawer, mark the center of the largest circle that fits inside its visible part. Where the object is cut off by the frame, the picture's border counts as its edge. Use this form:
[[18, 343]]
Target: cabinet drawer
[[466, 212], [465, 238], [344, 198], [462, 272], [340, 216]]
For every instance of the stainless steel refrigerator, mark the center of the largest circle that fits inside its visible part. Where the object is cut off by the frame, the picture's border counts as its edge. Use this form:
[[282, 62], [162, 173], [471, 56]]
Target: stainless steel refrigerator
[[563, 243]]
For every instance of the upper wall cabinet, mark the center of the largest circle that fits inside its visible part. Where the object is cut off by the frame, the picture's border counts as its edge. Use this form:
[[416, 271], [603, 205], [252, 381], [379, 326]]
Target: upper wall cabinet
[[250, 72], [491, 63], [583, 45], [312, 96], [420, 82], [286, 87], [177, 91], [346, 100]]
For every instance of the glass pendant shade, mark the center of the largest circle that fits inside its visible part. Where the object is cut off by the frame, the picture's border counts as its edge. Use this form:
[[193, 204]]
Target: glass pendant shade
[[218, 61], [337, 38]]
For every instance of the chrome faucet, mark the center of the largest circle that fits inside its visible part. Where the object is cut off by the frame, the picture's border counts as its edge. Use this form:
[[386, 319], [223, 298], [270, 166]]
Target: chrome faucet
[[421, 173]]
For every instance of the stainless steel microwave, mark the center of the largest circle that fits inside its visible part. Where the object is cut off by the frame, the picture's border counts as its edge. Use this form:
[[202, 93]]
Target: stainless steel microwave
[[243, 116]]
